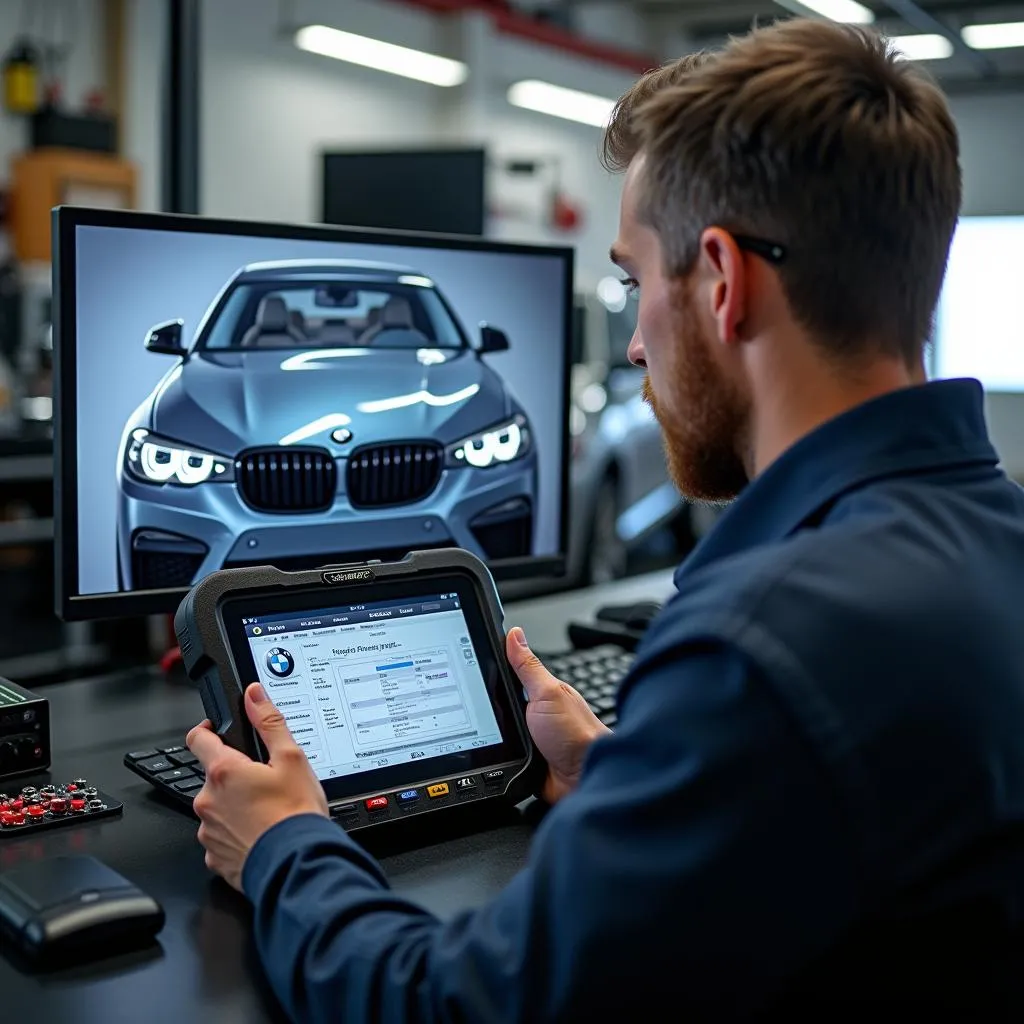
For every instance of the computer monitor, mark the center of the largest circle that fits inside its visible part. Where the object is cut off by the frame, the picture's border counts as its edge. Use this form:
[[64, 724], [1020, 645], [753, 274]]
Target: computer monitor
[[232, 394], [414, 190]]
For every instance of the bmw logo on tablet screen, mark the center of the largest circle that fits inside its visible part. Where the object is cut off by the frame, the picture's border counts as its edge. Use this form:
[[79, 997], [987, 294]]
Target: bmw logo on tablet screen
[[280, 662]]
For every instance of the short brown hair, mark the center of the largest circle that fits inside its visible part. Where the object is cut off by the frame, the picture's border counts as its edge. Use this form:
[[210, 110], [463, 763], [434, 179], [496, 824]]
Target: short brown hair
[[622, 136], [819, 137]]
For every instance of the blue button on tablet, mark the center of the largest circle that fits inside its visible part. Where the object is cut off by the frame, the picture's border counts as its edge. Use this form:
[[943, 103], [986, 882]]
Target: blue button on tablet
[[408, 796]]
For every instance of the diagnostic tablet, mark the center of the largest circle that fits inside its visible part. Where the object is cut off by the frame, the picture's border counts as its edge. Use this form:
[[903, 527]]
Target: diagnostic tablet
[[392, 678]]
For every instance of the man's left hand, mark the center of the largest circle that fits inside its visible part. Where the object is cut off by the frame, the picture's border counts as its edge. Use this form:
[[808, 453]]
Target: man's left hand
[[242, 799]]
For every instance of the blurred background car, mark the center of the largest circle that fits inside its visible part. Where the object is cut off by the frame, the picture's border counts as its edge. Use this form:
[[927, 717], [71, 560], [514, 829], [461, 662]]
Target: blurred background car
[[626, 515]]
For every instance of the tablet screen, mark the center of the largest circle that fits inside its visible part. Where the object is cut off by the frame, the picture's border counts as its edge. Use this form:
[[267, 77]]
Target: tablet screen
[[370, 685], [403, 682]]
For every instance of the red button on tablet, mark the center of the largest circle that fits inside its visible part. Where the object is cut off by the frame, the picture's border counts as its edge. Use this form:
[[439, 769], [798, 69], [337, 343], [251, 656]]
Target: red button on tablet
[[376, 803]]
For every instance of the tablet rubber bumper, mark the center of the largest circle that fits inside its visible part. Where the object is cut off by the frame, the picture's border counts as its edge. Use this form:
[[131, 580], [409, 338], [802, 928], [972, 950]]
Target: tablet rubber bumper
[[209, 660]]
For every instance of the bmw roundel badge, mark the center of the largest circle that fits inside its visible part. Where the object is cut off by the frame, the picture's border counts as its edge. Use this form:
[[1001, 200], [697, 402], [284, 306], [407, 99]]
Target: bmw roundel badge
[[280, 662]]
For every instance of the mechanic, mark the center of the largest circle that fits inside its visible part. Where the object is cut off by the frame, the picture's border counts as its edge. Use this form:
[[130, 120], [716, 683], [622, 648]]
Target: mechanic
[[821, 740]]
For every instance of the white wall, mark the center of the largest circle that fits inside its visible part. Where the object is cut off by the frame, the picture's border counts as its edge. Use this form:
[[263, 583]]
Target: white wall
[[992, 145], [142, 135], [269, 109], [522, 134], [511, 132], [615, 24], [82, 72]]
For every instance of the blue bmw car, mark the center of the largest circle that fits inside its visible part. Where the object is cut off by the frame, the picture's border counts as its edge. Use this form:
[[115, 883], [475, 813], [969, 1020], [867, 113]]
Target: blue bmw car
[[325, 411]]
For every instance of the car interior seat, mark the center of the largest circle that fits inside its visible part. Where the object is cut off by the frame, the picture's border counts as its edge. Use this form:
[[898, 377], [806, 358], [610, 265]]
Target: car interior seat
[[336, 332], [298, 321], [395, 315], [372, 320], [273, 327]]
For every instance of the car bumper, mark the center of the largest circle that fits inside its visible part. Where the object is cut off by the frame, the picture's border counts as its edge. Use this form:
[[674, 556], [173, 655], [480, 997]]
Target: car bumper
[[170, 536]]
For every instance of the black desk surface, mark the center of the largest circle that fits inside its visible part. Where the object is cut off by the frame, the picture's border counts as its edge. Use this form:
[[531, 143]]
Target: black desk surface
[[204, 968]]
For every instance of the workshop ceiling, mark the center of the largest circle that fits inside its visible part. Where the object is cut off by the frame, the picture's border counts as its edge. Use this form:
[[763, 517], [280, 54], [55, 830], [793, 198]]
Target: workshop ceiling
[[700, 23]]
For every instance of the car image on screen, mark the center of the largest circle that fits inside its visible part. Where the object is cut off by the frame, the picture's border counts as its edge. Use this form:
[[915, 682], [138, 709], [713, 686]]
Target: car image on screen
[[325, 411]]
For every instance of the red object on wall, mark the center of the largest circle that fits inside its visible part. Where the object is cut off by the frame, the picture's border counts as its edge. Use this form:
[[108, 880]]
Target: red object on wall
[[565, 215], [513, 23], [95, 101]]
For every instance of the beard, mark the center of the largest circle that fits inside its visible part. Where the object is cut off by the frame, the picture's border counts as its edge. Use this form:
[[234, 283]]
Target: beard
[[703, 416]]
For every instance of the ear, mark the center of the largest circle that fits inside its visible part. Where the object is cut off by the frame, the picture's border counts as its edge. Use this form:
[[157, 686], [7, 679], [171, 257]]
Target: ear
[[726, 270]]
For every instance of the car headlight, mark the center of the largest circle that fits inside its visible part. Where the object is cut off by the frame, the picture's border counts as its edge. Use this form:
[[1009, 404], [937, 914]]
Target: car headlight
[[503, 443], [157, 460]]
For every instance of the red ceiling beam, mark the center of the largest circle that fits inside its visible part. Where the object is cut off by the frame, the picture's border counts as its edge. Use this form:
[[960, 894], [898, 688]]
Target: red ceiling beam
[[510, 22]]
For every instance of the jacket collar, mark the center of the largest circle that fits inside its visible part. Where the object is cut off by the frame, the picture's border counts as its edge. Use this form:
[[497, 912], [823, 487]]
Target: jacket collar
[[928, 427]]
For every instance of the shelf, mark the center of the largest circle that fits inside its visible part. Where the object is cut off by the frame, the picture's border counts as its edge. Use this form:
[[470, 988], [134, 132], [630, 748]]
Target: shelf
[[26, 443], [25, 531], [26, 467]]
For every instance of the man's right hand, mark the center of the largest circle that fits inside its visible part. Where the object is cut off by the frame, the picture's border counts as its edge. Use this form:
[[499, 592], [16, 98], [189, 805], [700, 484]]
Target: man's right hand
[[561, 724]]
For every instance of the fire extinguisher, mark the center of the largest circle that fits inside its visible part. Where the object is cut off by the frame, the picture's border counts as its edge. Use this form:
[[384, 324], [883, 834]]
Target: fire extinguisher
[[21, 77], [565, 215]]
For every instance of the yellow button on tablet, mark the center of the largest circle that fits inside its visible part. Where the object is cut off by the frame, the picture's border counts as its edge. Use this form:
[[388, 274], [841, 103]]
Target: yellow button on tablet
[[438, 789]]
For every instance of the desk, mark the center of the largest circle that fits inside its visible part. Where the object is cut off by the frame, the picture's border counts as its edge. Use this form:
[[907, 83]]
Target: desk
[[205, 967]]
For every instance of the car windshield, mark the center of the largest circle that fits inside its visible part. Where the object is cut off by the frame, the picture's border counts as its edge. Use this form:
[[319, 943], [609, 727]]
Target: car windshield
[[332, 314]]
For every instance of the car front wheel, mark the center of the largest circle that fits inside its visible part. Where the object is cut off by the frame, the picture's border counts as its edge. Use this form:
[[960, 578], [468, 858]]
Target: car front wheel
[[607, 554]]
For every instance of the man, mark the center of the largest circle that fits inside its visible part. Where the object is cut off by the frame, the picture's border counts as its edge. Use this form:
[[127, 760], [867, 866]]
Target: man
[[811, 795]]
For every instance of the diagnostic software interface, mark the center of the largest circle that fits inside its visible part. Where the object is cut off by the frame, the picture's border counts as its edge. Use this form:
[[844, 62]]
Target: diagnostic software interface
[[370, 685]]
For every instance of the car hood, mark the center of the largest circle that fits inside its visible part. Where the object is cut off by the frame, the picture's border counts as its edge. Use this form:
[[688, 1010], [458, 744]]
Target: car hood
[[224, 402]]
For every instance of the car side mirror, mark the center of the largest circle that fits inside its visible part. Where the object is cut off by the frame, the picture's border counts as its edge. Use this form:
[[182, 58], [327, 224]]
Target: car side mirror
[[492, 339], [165, 339]]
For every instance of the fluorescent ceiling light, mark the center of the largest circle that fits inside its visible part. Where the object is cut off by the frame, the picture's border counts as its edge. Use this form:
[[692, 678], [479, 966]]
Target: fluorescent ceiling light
[[373, 53], [923, 47], [994, 37], [848, 11], [561, 102]]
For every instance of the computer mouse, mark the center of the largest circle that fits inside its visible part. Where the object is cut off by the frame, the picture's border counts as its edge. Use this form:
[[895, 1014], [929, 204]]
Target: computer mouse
[[636, 616], [74, 907], [642, 613]]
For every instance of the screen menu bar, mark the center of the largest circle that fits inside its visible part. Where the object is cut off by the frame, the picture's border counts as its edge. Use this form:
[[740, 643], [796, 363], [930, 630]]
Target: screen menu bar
[[349, 615]]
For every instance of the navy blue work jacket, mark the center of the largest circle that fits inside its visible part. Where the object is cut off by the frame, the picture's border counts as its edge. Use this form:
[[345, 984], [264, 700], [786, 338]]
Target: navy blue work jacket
[[813, 795]]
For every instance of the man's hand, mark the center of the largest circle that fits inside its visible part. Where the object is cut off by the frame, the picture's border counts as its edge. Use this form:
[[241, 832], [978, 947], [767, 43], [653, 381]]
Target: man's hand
[[241, 799], [561, 724]]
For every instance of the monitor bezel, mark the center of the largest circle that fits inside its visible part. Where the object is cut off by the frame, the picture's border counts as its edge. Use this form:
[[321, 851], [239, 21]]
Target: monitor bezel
[[70, 604]]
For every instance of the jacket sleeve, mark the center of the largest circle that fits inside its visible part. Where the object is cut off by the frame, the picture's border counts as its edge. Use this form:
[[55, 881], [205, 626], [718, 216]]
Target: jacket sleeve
[[701, 862]]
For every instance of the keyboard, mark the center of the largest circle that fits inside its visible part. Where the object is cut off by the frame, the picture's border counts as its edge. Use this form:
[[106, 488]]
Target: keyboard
[[596, 672], [173, 769]]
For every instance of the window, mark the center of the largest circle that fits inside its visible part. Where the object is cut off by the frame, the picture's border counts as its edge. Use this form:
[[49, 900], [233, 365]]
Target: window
[[332, 314]]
